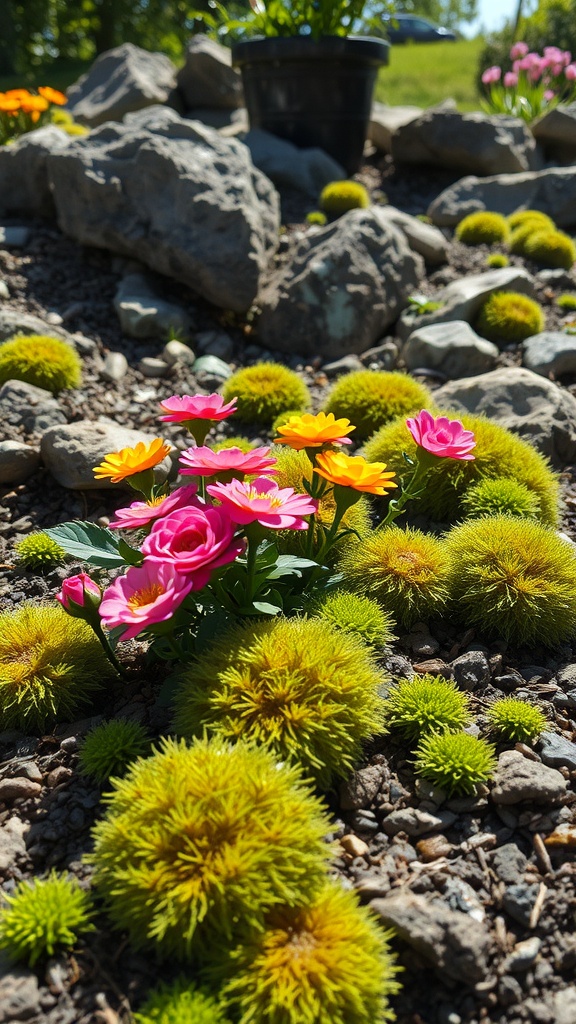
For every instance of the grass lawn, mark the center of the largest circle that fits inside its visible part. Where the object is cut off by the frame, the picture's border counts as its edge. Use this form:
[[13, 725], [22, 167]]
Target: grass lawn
[[427, 73]]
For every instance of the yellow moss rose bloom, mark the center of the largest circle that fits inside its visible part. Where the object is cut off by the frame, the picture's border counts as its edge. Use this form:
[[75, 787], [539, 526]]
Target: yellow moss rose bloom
[[353, 471], [129, 461], [309, 431]]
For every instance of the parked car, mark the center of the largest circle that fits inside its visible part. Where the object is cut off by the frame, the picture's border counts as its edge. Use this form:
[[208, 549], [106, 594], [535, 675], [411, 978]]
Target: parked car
[[404, 28]]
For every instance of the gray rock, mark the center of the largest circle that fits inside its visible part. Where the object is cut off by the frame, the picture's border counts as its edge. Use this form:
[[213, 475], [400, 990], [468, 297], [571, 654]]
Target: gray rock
[[176, 352], [24, 187], [453, 942], [519, 779], [307, 170], [557, 751], [474, 143], [423, 238], [452, 348], [564, 1005], [215, 343], [462, 299], [519, 900], [209, 370], [556, 278], [18, 461], [361, 788], [71, 452], [176, 195], [470, 670], [552, 191], [13, 237], [14, 321], [115, 366], [347, 364], [150, 366], [33, 409], [416, 822], [207, 78], [19, 996], [384, 121], [121, 80], [4, 293], [555, 130], [523, 955], [143, 314], [18, 789], [310, 307], [550, 353], [524, 402], [12, 842], [509, 863]]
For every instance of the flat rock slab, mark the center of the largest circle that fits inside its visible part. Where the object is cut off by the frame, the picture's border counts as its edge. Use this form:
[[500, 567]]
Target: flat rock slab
[[555, 130], [71, 452], [120, 80], [550, 353], [553, 191], [517, 779]]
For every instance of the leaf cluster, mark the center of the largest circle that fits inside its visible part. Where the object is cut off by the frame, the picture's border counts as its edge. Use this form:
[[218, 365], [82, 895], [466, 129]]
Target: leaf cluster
[[43, 916], [111, 747]]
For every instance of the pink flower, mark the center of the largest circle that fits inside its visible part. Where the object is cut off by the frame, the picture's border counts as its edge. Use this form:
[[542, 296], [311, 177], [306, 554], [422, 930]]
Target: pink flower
[[510, 80], [141, 513], [263, 501], [447, 439], [143, 597], [205, 462], [549, 95], [195, 541], [570, 72], [518, 50], [181, 409], [533, 65], [79, 592], [491, 75]]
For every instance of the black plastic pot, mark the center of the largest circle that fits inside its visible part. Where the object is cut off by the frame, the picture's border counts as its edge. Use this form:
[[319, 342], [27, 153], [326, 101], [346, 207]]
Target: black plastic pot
[[312, 92]]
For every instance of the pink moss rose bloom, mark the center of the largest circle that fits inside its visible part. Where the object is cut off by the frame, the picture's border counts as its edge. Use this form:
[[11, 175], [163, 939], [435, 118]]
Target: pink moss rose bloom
[[182, 409], [491, 75], [518, 50], [141, 513], [80, 590], [263, 501], [143, 597], [510, 80], [204, 462], [444, 438], [195, 541]]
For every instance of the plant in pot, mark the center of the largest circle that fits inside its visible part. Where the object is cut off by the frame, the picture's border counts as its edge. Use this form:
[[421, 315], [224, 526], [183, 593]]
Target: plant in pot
[[306, 78]]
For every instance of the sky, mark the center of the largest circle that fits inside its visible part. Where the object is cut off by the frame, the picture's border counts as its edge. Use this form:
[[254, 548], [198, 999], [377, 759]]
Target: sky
[[492, 15]]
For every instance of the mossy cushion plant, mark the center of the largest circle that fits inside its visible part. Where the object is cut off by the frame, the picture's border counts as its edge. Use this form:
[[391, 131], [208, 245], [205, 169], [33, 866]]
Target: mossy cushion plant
[[455, 761], [234, 442], [200, 842], [43, 917], [356, 614], [43, 361], [522, 217], [483, 227], [338, 197], [500, 497], [507, 317], [415, 707], [109, 748], [181, 1003], [498, 453], [516, 720], [514, 579], [264, 391], [38, 551], [283, 418], [551, 249], [51, 665], [317, 218], [370, 398], [567, 302], [326, 963], [407, 571], [495, 260], [304, 689]]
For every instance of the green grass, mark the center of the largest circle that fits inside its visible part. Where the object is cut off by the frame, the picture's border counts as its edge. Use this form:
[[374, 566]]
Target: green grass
[[60, 75], [424, 74]]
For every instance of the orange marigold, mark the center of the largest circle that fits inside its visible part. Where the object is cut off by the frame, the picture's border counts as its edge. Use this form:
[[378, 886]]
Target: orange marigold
[[33, 104], [129, 461], [354, 471], [308, 431], [52, 95]]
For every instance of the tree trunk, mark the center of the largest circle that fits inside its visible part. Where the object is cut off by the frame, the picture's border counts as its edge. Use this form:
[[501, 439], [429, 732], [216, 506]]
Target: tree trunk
[[105, 33]]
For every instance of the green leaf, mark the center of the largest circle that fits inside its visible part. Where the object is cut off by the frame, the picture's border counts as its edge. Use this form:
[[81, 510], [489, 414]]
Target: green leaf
[[89, 543], [263, 608], [130, 555]]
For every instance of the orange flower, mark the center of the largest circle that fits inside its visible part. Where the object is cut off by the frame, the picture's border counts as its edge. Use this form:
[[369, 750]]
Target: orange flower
[[308, 431], [129, 461], [17, 94], [8, 105], [33, 105], [354, 471], [52, 95]]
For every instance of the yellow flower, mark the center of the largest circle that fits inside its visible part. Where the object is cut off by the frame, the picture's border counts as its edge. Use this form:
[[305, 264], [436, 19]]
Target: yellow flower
[[129, 461], [355, 472], [308, 431]]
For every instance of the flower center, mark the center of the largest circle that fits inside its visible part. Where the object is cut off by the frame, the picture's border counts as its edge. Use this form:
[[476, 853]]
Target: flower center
[[273, 500], [147, 595], [154, 502]]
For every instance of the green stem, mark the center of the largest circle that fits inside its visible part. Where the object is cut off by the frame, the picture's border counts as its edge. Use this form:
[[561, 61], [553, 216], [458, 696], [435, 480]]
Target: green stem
[[412, 490], [108, 650]]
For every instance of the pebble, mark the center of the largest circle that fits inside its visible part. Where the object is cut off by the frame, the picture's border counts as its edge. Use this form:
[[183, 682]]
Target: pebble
[[215, 343], [433, 848], [509, 991], [18, 789], [19, 996], [470, 670], [15, 237], [557, 751], [433, 667], [115, 366], [57, 776], [353, 845], [347, 364], [563, 835], [18, 461], [12, 842], [518, 901], [415, 822], [517, 779], [523, 955], [151, 366], [177, 352], [509, 863], [30, 770], [211, 371], [361, 788]]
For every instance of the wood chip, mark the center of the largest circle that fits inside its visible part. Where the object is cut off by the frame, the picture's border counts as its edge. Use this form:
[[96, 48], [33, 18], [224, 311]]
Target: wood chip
[[542, 855]]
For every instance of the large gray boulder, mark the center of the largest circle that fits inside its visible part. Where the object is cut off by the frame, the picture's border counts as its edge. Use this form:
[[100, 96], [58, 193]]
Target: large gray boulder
[[207, 78], [123, 79], [475, 143], [553, 191], [453, 349], [533, 407], [342, 288], [555, 130], [176, 196], [24, 185]]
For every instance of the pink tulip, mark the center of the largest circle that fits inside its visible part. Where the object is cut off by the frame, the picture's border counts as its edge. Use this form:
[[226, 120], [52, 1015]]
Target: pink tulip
[[142, 513], [195, 541], [205, 462], [518, 50], [262, 501], [444, 438], [510, 80], [79, 595], [491, 75], [181, 409], [570, 72], [143, 597], [549, 95]]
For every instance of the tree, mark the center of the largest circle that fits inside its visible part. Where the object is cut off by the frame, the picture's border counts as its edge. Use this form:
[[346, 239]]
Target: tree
[[448, 13]]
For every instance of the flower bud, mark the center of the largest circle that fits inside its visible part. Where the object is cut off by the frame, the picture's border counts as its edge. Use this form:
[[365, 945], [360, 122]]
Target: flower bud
[[80, 596]]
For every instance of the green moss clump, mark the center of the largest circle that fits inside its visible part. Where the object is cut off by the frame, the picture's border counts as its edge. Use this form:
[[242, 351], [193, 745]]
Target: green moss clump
[[43, 917], [455, 761], [45, 362], [483, 227], [426, 704], [498, 453], [370, 398], [109, 748], [181, 1003], [327, 963], [304, 689], [551, 249], [338, 197], [567, 301], [39, 551], [50, 666], [407, 571], [516, 720], [234, 442], [515, 579], [495, 260], [200, 842], [264, 391], [317, 217], [500, 497], [523, 217], [507, 317], [358, 615]]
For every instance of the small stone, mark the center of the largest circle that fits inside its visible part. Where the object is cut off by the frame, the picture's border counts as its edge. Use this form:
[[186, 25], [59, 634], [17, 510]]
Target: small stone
[[57, 776], [211, 371], [215, 343], [509, 863], [353, 845], [151, 366], [19, 996], [471, 670], [19, 788], [4, 293], [434, 847], [415, 822], [509, 991], [347, 364], [361, 788], [18, 461], [518, 779], [177, 352], [557, 751], [13, 237], [426, 790], [433, 667], [518, 901], [563, 835], [30, 770], [115, 366], [523, 955], [12, 843]]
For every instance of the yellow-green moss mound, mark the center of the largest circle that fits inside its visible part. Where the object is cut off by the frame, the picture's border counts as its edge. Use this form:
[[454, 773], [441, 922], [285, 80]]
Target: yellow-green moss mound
[[370, 398]]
